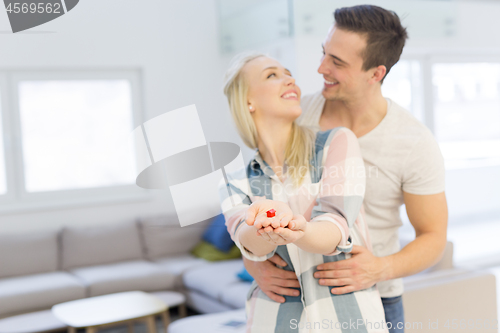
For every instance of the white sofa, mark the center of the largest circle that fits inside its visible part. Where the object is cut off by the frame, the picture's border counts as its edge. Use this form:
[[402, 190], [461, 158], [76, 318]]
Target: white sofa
[[41, 269], [215, 287]]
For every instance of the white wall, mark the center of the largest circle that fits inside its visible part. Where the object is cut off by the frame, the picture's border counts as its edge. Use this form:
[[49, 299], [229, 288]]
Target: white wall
[[174, 43]]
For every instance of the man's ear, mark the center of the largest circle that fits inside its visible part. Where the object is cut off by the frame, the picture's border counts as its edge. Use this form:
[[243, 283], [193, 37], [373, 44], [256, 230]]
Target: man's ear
[[378, 74]]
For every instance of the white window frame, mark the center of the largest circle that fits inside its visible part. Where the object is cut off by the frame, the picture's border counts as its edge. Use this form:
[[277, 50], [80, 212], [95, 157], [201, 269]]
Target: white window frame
[[17, 198], [427, 60], [418, 97], [8, 144]]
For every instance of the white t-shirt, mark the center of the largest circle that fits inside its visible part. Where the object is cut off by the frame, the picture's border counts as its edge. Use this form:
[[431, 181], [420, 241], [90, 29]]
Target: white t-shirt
[[400, 154]]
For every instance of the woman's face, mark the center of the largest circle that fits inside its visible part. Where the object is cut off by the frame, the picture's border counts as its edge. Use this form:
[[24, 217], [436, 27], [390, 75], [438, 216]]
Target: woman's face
[[272, 93]]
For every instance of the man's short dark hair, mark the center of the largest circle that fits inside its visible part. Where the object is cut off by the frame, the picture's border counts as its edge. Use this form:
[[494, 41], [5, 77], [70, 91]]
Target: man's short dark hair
[[385, 36]]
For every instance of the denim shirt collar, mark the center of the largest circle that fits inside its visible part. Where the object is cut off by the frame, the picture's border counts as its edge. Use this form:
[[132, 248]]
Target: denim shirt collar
[[260, 166]]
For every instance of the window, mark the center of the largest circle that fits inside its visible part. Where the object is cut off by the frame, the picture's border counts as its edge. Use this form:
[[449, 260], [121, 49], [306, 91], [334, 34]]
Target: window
[[74, 134], [461, 107], [467, 111], [403, 86], [69, 138]]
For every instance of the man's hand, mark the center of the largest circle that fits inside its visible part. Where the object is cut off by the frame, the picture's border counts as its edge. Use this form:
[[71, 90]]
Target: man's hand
[[359, 272], [273, 281]]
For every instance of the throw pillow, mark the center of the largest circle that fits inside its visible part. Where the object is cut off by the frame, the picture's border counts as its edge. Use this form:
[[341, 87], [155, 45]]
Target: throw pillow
[[217, 234], [209, 252], [244, 275]]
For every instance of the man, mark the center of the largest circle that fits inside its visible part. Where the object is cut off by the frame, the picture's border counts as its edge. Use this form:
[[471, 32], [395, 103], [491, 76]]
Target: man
[[402, 160]]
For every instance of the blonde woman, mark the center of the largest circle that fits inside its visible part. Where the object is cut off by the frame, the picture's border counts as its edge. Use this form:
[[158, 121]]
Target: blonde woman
[[303, 201]]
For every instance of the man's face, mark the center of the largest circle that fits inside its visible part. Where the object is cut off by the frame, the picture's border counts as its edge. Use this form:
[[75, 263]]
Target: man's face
[[341, 65]]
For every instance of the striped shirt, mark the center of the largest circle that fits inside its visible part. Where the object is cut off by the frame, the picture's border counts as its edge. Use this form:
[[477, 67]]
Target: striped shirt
[[332, 191]]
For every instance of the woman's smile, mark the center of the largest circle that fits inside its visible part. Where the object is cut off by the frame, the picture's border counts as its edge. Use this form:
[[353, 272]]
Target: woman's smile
[[290, 94]]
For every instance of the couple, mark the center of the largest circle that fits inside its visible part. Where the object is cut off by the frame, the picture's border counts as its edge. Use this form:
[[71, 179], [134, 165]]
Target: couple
[[336, 167]]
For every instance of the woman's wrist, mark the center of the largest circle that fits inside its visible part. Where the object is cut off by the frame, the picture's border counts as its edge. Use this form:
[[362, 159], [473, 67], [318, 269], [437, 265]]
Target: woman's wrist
[[304, 230], [318, 237], [248, 238]]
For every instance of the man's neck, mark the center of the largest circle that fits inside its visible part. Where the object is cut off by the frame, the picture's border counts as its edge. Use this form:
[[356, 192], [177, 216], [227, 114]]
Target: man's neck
[[361, 116]]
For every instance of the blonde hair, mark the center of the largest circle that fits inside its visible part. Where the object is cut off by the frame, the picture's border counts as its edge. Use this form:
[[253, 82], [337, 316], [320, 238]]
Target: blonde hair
[[300, 146]]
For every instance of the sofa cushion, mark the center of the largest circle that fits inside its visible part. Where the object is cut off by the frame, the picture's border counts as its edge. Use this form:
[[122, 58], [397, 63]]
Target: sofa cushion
[[178, 264], [97, 245], [28, 253], [35, 292], [124, 276], [204, 304], [213, 279], [163, 235], [235, 295]]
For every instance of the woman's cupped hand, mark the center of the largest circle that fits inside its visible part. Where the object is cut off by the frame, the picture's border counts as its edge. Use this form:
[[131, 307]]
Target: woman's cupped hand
[[283, 228]]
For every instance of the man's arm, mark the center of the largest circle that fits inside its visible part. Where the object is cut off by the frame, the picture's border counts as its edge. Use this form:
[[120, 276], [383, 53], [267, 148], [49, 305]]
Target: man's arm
[[429, 216]]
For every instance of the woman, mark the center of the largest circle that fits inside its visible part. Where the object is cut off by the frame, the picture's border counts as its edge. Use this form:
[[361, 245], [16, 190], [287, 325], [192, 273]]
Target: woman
[[315, 185]]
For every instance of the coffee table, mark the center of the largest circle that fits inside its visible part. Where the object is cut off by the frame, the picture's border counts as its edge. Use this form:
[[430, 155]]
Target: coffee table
[[96, 312], [173, 299]]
